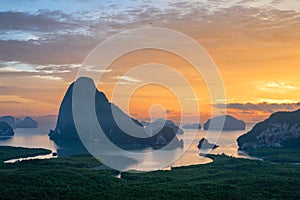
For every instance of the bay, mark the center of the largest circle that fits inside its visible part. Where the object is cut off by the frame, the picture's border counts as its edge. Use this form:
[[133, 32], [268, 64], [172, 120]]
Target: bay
[[38, 138]]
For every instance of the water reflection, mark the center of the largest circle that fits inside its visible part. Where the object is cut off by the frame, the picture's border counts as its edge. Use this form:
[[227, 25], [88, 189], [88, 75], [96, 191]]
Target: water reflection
[[38, 138], [31, 138]]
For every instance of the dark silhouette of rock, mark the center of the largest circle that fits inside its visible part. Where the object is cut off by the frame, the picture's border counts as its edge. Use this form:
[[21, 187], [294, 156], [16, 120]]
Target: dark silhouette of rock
[[153, 127], [6, 130], [230, 123], [106, 114], [10, 120], [15, 122], [281, 129], [204, 144], [192, 126], [27, 122], [145, 123]]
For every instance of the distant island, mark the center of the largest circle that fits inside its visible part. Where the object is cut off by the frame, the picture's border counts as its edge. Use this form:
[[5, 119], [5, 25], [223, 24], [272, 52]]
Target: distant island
[[192, 126], [152, 127], [106, 112], [6, 130], [10, 120], [281, 129], [230, 123], [27, 122], [15, 122], [204, 144]]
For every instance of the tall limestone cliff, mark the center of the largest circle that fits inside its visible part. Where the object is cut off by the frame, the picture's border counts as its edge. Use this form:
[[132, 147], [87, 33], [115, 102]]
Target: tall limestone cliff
[[106, 112], [281, 129]]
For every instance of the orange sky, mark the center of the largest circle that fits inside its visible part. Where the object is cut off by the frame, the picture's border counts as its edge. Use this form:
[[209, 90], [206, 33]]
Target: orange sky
[[255, 49]]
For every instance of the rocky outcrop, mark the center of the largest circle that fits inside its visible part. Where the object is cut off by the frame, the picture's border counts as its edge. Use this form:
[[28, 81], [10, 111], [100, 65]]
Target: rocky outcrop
[[154, 127], [145, 123], [106, 114], [6, 130], [281, 129], [230, 123], [204, 144], [192, 126], [15, 122], [27, 122], [10, 120]]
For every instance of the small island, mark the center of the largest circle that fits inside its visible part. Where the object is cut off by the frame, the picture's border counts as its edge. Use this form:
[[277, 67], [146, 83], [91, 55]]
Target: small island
[[153, 127], [27, 122], [6, 130], [10, 120], [204, 144], [230, 123]]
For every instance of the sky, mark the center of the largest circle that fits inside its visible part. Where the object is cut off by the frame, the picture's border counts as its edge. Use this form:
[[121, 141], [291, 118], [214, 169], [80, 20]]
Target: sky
[[254, 44]]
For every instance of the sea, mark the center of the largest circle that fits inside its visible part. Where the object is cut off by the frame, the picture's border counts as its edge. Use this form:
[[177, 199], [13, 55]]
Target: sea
[[189, 155]]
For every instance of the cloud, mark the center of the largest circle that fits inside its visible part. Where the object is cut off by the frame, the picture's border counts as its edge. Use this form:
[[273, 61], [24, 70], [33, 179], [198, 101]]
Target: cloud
[[261, 107], [15, 66], [54, 37], [49, 94], [272, 85], [56, 69], [47, 40], [128, 79], [19, 35], [196, 99], [92, 68], [49, 72], [45, 21], [52, 78], [10, 102], [61, 49]]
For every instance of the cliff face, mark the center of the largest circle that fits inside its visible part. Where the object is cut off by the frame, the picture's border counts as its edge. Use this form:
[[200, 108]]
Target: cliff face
[[230, 123], [6, 130], [281, 129], [65, 130]]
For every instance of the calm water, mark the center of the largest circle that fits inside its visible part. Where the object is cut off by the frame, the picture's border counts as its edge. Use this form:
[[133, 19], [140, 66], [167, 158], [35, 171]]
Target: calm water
[[38, 138], [31, 137]]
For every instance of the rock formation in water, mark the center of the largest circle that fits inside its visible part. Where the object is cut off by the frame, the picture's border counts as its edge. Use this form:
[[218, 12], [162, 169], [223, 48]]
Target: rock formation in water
[[153, 127], [27, 122], [230, 123], [6, 130], [10, 120], [15, 122], [106, 113], [204, 144], [192, 126], [281, 129]]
